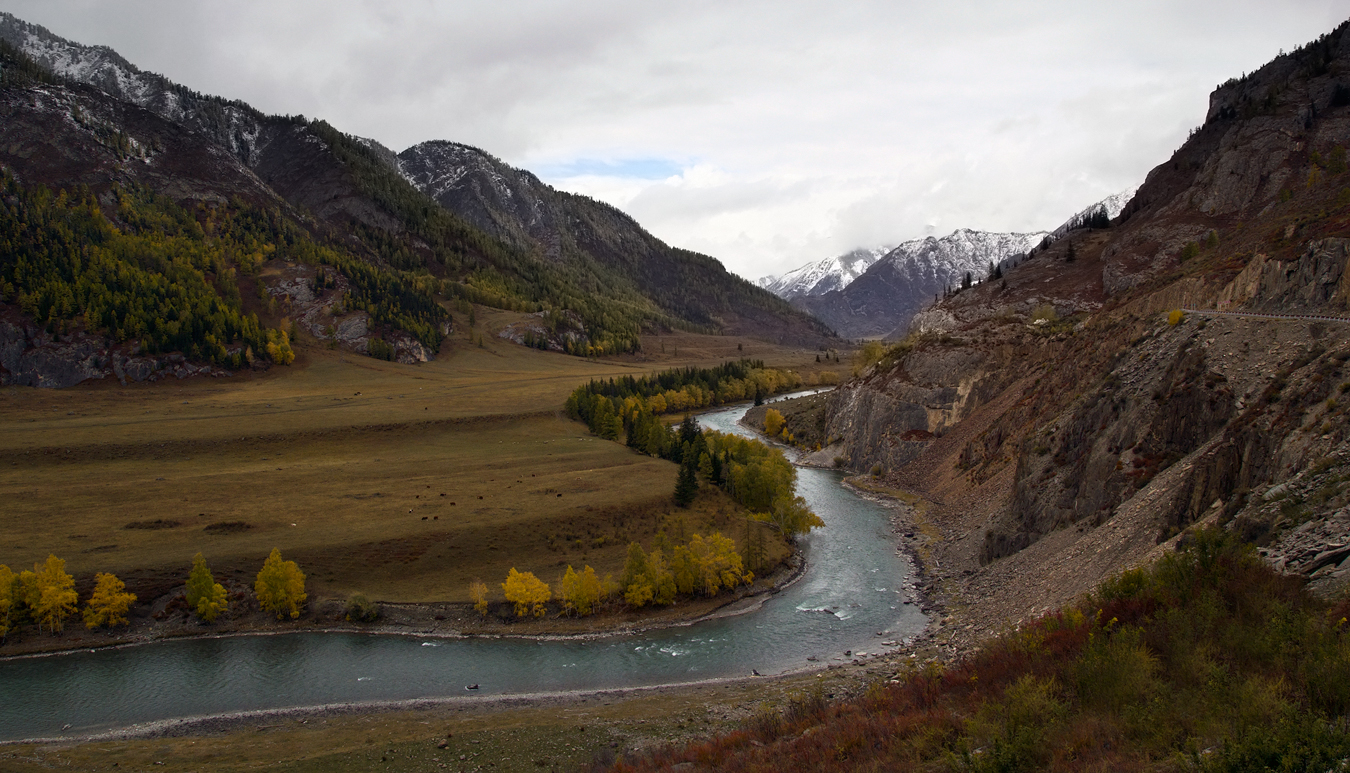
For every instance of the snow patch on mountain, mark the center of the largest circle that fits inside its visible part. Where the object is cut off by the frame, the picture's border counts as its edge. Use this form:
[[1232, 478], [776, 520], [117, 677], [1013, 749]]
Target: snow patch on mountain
[[824, 275]]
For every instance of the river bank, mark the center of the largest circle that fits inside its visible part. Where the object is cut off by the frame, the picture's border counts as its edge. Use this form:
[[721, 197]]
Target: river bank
[[429, 619]]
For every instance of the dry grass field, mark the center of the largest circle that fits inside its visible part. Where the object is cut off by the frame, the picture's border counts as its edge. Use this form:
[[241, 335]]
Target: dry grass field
[[404, 482]]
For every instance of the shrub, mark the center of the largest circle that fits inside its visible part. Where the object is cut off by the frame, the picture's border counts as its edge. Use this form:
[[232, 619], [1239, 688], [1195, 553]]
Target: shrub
[[1045, 312], [1175, 316], [360, 609]]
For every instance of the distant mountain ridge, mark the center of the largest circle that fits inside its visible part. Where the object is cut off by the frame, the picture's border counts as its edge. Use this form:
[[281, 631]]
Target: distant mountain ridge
[[905, 279], [895, 283], [473, 227], [823, 276]]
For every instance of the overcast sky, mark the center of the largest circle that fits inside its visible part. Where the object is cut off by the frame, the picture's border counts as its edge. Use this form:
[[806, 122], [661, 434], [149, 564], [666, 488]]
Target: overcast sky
[[765, 134]]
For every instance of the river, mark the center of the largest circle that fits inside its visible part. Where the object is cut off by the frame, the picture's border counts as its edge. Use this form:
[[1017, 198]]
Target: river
[[852, 596]]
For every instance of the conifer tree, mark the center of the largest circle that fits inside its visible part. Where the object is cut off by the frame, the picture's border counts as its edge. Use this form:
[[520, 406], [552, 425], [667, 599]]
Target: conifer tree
[[686, 485]]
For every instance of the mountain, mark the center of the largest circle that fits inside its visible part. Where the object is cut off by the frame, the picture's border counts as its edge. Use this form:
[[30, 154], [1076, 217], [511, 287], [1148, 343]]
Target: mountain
[[566, 229], [902, 280], [908, 277], [439, 225], [1183, 366], [823, 276], [1100, 213]]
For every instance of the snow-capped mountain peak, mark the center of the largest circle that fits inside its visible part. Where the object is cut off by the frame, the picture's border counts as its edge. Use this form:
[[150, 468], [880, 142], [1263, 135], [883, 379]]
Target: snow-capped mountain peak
[[823, 276]]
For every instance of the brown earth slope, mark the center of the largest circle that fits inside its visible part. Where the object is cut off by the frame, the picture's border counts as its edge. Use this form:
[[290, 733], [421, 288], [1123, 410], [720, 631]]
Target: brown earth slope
[[1063, 425]]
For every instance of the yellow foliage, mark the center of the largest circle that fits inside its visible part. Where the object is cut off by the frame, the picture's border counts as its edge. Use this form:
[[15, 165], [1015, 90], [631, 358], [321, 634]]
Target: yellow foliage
[[580, 592], [280, 586], [6, 598], [527, 592], [716, 563], [478, 592], [1175, 317], [55, 594], [205, 597], [870, 354], [773, 422], [109, 603]]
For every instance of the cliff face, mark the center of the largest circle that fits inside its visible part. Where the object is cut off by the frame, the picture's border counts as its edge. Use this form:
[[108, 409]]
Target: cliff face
[[1065, 407]]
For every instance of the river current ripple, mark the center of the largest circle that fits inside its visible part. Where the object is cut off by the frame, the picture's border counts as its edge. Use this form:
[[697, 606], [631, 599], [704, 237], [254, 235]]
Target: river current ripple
[[853, 596]]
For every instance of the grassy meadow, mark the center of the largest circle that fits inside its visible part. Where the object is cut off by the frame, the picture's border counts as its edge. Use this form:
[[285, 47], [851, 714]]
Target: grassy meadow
[[403, 482]]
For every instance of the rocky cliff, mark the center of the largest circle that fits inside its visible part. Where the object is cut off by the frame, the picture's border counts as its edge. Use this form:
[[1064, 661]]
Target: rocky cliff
[[1071, 419]]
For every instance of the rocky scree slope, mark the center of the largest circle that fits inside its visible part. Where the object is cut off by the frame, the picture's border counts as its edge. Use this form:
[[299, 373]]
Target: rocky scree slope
[[1063, 424]]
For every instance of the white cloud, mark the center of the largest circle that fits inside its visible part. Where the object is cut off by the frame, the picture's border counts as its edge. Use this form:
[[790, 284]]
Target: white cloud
[[794, 130]]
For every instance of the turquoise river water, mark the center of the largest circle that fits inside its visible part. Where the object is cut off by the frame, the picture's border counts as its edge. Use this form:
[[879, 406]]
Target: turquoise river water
[[852, 596]]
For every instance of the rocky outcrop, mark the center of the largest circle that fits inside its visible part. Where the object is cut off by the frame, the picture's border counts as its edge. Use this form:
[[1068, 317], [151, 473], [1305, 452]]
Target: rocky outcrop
[[313, 298], [1089, 411], [30, 356]]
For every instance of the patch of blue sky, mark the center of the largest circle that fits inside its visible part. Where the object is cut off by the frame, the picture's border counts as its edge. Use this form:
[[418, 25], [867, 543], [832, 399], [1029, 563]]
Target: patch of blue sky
[[629, 168]]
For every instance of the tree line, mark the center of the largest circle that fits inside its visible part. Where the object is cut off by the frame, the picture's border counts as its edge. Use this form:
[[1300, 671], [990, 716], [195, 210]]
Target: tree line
[[612, 407], [157, 281], [45, 596], [704, 566], [755, 475]]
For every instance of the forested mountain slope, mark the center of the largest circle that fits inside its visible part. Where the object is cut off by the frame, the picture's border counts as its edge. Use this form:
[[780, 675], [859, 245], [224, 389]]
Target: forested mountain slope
[[1070, 417], [393, 257]]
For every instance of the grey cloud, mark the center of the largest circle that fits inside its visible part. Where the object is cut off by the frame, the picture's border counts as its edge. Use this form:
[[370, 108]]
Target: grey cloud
[[828, 127]]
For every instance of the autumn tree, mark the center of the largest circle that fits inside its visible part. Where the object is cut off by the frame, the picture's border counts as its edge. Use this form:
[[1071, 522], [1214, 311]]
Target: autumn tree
[[773, 422], [527, 592], [580, 592], [205, 597], [716, 564], [55, 598], [478, 592], [280, 586], [109, 603], [6, 598], [791, 516]]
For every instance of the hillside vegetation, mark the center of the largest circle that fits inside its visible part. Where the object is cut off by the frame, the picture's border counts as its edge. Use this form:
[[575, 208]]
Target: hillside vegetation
[[309, 195], [1205, 661]]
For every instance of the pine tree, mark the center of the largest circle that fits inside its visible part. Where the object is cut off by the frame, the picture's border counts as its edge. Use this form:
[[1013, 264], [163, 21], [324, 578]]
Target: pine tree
[[686, 485]]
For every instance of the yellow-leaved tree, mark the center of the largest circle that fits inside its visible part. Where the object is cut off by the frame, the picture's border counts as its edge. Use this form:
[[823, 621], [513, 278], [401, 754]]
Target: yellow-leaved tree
[[773, 422], [205, 597], [580, 592], [527, 592], [109, 603], [280, 586], [478, 592], [646, 578], [6, 598], [55, 594], [716, 563]]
